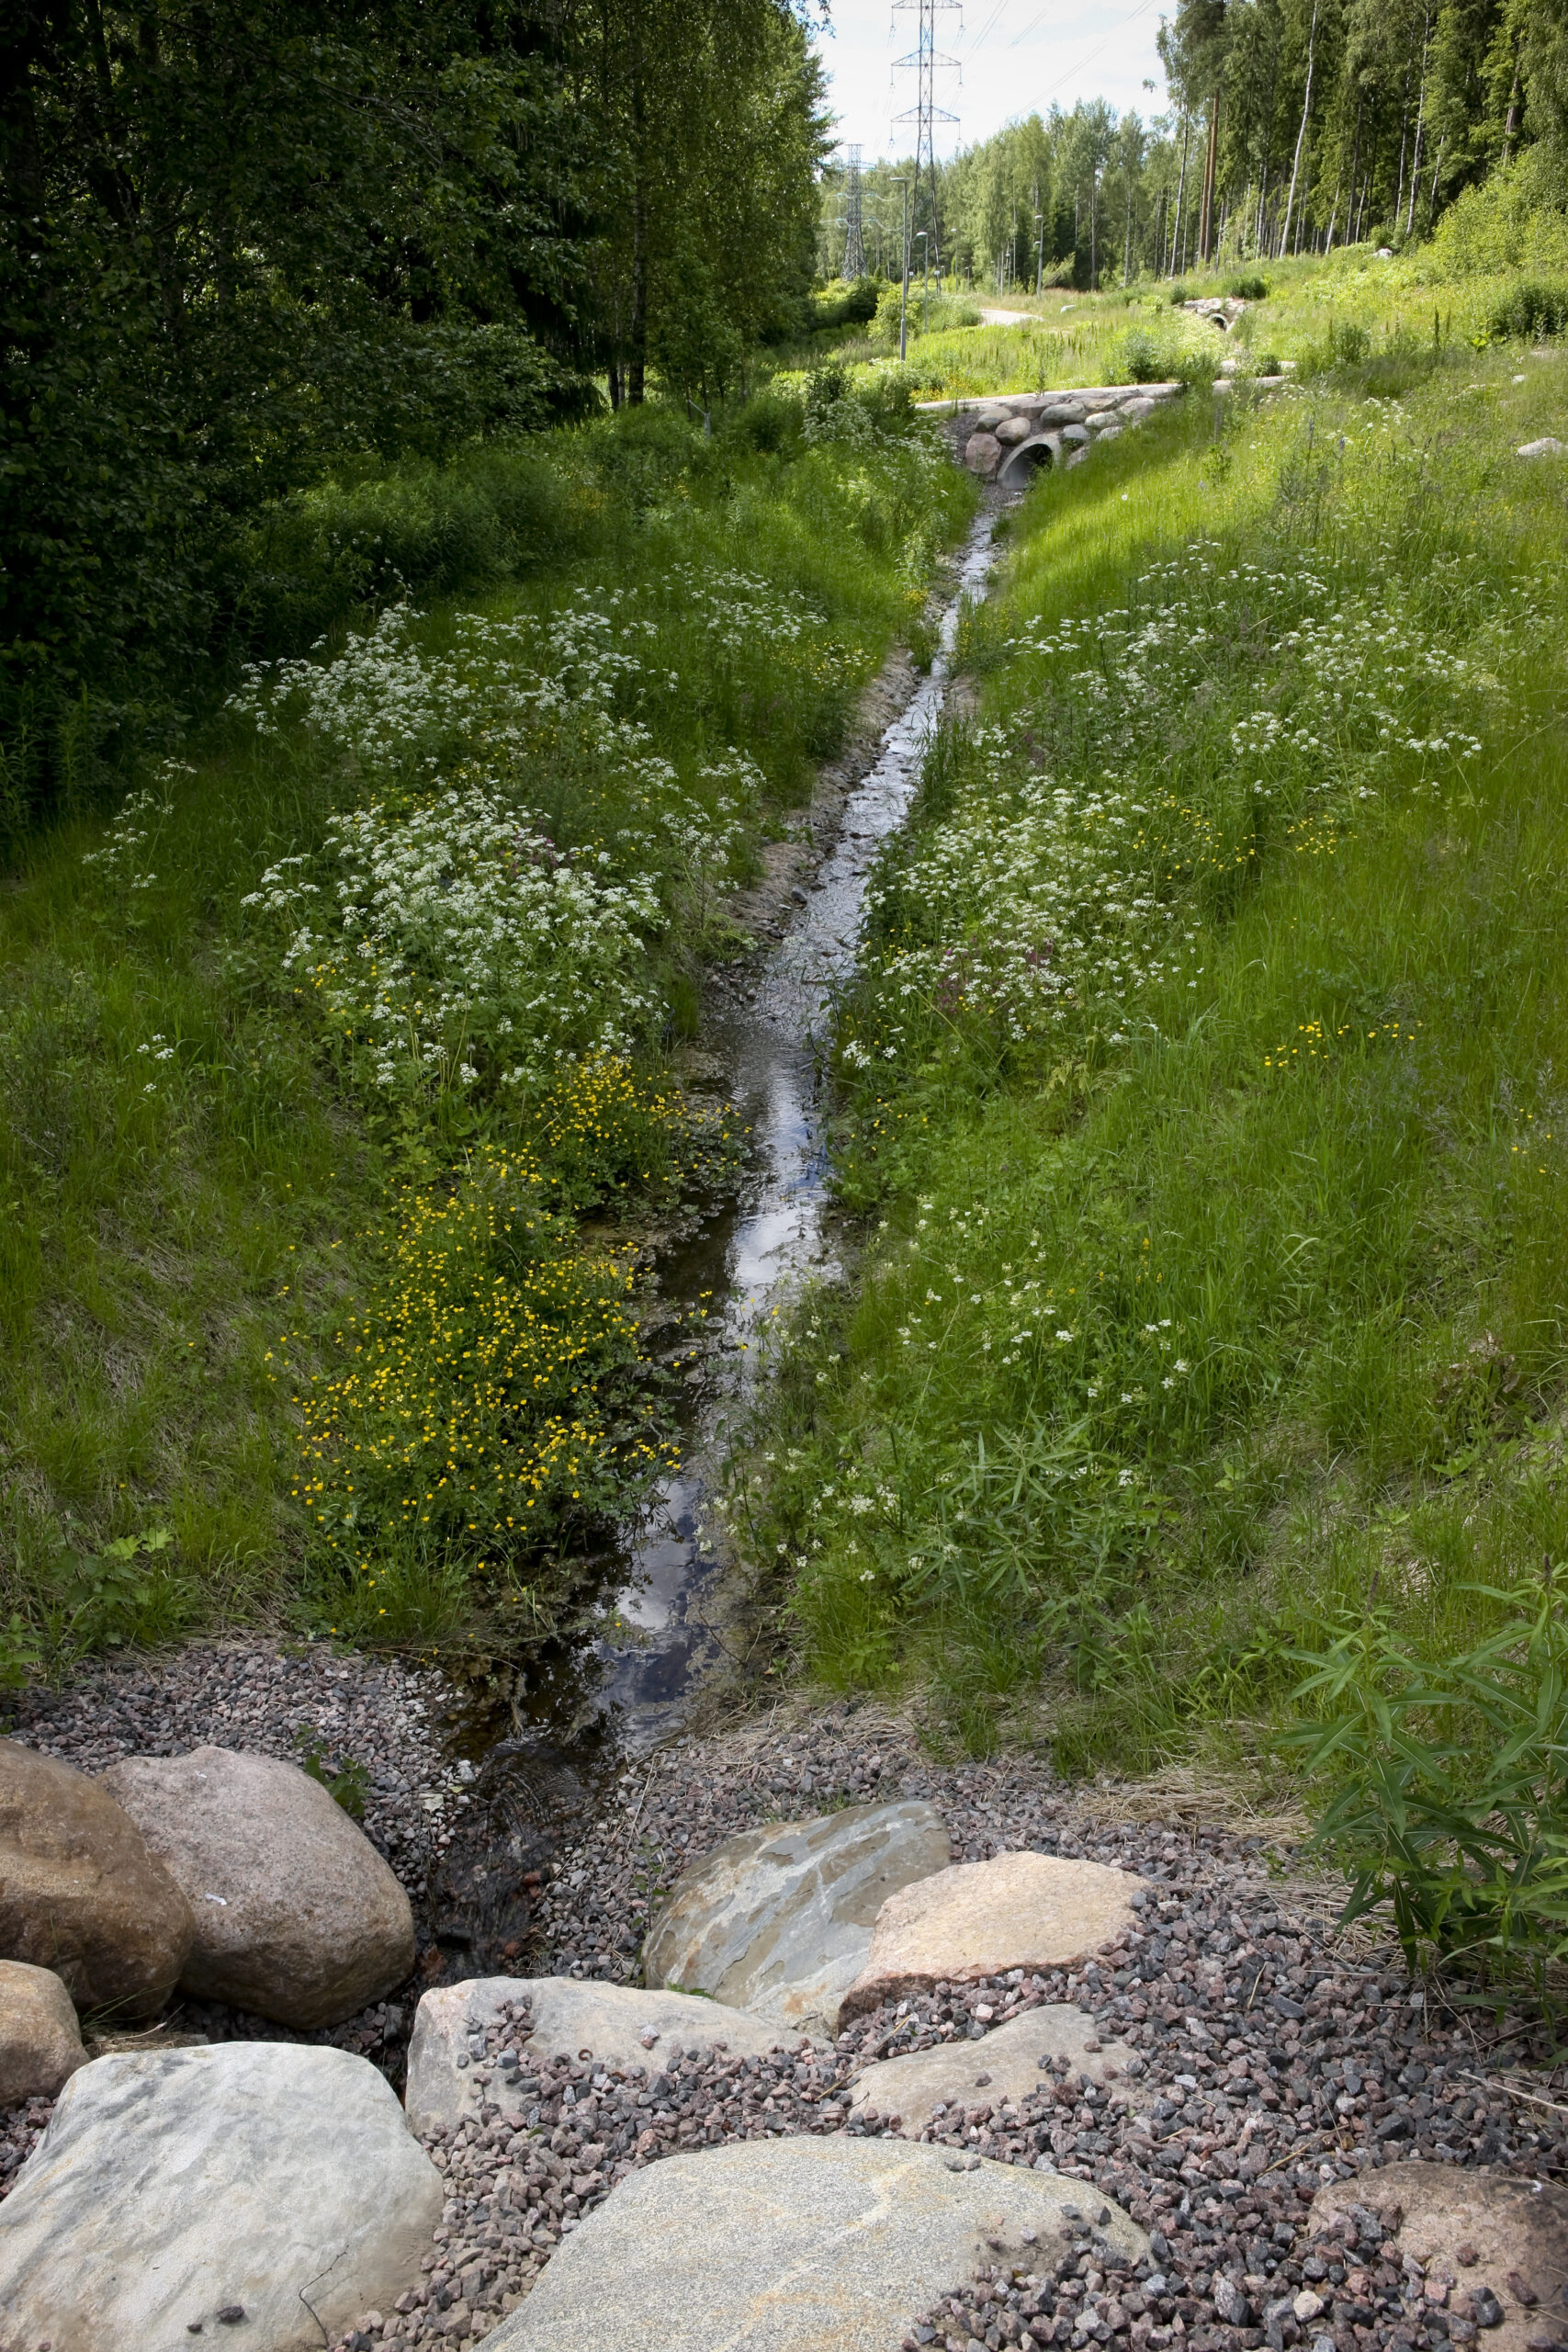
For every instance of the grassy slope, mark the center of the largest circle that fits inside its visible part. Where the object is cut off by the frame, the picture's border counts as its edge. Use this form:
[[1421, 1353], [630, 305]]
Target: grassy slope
[[188, 1173], [1297, 1294], [1083, 338]]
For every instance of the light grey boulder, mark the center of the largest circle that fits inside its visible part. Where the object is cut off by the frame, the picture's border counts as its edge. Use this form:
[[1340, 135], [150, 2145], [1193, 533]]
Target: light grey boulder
[[297, 1916], [266, 2177], [41, 2041], [981, 452], [807, 2245], [1548, 446], [618, 2024], [1074, 436], [779, 1920], [1014, 428], [1136, 410], [1011, 2062], [988, 419]]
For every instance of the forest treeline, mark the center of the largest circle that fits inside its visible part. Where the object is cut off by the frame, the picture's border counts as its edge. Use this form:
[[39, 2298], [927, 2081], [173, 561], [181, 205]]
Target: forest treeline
[[1291, 126], [242, 245]]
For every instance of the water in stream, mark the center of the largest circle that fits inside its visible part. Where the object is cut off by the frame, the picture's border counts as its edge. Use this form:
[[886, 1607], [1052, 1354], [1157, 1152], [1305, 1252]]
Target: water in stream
[[623, 1684]]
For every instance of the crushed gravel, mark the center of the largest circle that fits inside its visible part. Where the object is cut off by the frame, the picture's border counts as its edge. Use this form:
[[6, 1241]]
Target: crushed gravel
[[1272, 2055]]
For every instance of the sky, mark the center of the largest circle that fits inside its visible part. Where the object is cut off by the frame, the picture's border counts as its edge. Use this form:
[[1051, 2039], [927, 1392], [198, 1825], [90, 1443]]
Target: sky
[[1015, 58]]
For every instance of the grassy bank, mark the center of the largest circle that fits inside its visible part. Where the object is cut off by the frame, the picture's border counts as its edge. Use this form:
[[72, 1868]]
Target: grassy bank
[[1201, 1097], [317, 1051], [1486, 275]]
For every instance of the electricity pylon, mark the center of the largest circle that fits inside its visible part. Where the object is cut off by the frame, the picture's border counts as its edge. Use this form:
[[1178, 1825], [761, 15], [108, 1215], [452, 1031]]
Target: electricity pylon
[[926, 63]]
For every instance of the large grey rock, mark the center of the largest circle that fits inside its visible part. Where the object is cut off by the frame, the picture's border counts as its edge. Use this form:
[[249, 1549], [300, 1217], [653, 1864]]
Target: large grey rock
[[981, 452], [979, 1919], [794, 2245], [79, 1891], [1549, 446], [171, 2188], [41, 2043], [297, 1916], [1010, 2063], [618, 2024], [779, 1920], [1014, 428]]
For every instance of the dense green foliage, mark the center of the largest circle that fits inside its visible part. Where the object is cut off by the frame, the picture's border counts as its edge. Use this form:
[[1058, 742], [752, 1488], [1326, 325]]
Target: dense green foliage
[[245, 250]]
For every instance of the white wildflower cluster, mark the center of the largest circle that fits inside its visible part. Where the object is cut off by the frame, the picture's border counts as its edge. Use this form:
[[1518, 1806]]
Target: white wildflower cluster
[[734, 609], [456, 945], [1042, 894], [132, 836]]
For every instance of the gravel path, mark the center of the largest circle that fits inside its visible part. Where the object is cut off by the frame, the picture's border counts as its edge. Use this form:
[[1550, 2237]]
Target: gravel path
[[1272, 2056]]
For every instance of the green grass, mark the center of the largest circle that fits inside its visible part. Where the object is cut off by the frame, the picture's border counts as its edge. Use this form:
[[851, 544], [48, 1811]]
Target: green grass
[[1405, 310], [1227, 1286], [200, 1180]]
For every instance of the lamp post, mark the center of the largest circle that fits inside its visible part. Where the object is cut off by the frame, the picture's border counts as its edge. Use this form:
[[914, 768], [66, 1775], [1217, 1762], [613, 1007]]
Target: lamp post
[[901, 179], [1040, 257], [924, 236]]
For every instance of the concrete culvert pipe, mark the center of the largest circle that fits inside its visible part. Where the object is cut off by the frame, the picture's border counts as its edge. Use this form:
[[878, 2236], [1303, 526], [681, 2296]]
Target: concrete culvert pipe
[[1023, 463]]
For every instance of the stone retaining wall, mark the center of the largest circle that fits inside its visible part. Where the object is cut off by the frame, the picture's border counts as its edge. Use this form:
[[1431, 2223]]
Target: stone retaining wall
[[1004, 438]]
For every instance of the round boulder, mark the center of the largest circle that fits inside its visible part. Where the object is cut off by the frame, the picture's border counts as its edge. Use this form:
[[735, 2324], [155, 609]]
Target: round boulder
[[256, 2192], [1014, 428], [297, 1916], [981, 452], [79, 1893], [41, 2043]]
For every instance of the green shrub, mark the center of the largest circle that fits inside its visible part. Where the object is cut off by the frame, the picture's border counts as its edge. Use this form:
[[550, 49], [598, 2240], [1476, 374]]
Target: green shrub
[[419, 530], [1250, 289], [1449, 1779], [841, 305], [1530, 310], [770, 420]]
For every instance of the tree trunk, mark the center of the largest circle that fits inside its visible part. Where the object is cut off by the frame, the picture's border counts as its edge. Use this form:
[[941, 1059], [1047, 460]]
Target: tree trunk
[[1420, 120], [1301, 135], [1206, 216], [1180, 192]]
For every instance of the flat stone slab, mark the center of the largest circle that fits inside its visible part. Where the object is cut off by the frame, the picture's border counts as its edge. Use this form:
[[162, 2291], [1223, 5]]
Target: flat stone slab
[[1515, 2233], [983, 1918], [618, 2024], [795, 2245], [1548, 446], [260, 2177], [1011, 2062], [779, 1920]]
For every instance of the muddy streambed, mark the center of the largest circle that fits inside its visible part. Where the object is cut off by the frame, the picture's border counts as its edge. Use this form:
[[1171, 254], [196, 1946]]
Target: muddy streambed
[[659, 1617]]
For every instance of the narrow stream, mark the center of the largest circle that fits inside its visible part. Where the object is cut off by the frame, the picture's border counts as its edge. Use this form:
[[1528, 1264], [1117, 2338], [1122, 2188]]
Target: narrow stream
[[753, 1255], [655, 1628]]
